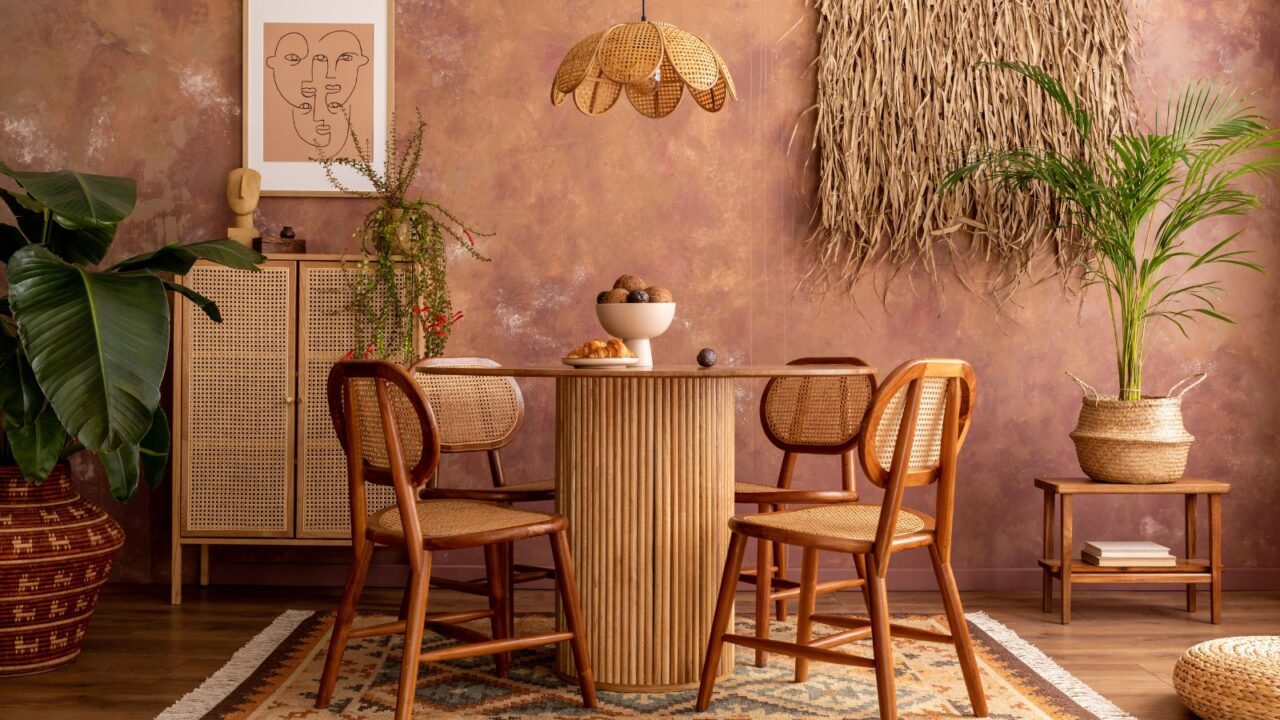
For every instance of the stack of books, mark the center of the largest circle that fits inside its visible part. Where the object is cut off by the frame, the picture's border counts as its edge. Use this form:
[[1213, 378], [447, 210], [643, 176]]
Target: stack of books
[[1127, 554]]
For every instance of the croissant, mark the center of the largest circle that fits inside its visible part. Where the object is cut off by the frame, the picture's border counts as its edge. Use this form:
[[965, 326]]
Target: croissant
[[613, 348]]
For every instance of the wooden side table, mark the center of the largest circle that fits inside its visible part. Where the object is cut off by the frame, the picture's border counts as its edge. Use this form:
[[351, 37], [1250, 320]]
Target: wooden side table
[[1188, 571]]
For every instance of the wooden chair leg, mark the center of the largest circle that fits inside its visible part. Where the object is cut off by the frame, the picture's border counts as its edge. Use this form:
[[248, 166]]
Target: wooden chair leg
[[413, 630], [959, 632], [720, 622], [764, 588], [567, 583], [404, 600], [882, 642], [860, 564], [509, 570], [808, 602], [780, 559], [342, 623], [498, 599]]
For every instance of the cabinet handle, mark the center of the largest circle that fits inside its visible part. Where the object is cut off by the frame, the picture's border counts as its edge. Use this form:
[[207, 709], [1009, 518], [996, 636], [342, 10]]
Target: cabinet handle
[[288, 400]]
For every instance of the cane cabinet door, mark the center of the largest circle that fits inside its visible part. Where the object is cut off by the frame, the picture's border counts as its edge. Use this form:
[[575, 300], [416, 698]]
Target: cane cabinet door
[[236, 395], [327, 333]]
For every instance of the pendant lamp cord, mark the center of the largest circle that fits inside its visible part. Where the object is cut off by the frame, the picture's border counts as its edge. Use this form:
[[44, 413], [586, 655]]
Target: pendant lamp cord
[[642, 11]]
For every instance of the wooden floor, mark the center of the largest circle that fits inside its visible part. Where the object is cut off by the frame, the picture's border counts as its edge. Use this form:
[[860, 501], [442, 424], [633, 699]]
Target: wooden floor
[[142, 654]]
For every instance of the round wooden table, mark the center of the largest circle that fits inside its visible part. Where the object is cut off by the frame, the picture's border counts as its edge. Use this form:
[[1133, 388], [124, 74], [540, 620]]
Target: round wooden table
[[644, 474]]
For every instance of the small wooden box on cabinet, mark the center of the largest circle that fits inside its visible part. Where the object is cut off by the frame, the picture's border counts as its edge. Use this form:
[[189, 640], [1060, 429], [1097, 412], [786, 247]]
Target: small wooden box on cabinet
[[255, 458]]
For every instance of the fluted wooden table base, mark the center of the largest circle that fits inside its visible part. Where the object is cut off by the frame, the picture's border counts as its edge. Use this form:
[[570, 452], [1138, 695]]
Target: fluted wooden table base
[[645, 471]]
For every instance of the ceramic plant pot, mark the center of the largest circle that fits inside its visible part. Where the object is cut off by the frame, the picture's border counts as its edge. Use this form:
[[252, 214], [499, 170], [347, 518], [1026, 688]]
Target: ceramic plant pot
[[56, 550]]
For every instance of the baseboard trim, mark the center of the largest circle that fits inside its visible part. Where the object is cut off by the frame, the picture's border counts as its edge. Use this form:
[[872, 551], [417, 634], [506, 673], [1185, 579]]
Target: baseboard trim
[[902, 579]]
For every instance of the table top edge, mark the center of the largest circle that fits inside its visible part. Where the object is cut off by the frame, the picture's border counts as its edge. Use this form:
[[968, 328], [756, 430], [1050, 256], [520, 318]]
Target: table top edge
[[661, 371]]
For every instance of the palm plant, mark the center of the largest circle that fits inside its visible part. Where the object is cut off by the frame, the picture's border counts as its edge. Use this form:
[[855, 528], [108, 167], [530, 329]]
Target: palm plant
[[83, 350], [1133, 201]]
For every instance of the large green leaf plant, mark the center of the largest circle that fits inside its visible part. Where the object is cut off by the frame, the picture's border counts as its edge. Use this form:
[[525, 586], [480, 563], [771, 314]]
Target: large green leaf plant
[[83, 348], [1134, 201]]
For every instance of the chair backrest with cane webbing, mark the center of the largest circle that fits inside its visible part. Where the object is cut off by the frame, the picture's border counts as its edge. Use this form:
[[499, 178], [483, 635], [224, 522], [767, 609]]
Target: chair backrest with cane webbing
[[816, 414], [474, 412], [912, 436]]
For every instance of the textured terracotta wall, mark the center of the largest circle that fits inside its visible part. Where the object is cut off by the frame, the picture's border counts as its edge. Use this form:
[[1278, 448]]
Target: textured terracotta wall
[[708, 205]]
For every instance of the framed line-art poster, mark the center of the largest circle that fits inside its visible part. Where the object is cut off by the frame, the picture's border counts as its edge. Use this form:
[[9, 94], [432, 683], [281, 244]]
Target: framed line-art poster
[[314, 70]]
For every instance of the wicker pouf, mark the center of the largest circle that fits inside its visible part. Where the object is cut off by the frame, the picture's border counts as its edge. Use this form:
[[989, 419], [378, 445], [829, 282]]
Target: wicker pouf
[[1236, 678]]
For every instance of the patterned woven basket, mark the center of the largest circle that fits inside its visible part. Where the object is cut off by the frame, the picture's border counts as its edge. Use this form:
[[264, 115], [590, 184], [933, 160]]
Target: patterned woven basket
[[55, 552], [1136, 442], [1235, 678]]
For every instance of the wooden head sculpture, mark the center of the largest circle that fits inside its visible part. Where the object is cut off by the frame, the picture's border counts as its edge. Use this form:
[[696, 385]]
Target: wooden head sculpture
[[244, 187]]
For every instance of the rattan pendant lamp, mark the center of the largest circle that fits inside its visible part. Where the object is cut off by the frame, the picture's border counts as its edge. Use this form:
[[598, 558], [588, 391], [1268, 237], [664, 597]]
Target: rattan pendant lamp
[[652, 62]]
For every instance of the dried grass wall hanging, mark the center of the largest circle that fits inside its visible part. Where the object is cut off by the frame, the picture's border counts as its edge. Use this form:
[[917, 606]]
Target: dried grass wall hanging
[[901, 98]]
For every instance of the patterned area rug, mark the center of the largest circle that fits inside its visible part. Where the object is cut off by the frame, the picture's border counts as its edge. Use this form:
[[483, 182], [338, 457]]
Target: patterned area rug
[[275, 677]]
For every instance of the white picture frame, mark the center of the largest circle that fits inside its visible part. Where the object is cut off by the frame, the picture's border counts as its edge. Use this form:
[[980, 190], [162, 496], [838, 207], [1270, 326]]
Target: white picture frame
[[287, 44]]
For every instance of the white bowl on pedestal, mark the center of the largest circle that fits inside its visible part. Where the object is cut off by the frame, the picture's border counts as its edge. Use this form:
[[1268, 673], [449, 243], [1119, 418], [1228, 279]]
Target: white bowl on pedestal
[[636, 324]]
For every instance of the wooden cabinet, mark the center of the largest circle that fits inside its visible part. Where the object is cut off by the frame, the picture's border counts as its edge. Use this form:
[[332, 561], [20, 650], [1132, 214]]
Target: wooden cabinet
[[255, 458]]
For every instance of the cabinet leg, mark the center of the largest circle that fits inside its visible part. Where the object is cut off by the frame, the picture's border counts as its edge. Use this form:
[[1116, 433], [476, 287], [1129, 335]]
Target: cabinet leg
[[1191, 547], [204, 566], [1066, 556], [1215, 558], [175, 573]]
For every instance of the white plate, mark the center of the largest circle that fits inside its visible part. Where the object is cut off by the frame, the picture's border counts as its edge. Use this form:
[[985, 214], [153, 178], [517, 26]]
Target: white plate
[[600, 362]]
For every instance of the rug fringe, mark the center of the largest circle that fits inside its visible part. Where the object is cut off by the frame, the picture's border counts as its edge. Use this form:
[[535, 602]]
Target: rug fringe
[[1044, 666], [199, 702]]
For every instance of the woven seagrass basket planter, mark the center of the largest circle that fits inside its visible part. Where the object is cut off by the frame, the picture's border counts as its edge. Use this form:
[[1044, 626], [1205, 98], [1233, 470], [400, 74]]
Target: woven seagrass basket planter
[[1235, 678], [1136, 442], [56, 550]]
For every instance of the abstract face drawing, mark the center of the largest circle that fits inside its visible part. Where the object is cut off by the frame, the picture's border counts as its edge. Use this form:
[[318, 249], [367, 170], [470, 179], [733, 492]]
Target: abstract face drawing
[[317, 76]]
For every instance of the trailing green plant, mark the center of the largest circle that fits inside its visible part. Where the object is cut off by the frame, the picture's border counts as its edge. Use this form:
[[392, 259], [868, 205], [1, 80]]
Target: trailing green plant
[[401, 284], [83, 350], [1133, 202]]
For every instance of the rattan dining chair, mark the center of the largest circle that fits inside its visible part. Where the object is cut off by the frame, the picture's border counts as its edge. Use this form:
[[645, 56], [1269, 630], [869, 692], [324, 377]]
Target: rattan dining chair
[[480, 414], [803, 416], [389, 434], [912, 436]]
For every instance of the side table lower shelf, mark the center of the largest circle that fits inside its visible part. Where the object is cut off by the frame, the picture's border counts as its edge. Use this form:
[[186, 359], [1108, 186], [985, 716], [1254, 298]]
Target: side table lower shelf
[[1183, 573]]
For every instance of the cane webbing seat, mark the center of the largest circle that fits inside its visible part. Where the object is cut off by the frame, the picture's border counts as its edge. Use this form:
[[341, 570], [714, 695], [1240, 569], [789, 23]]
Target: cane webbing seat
[[760, 494], [538, 490], [1231, 678], [826, 524], [750, 487], [537, 485], [450, 518]]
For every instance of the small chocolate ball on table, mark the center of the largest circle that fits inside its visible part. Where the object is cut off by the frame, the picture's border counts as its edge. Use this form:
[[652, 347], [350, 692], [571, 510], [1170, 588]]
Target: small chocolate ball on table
[[707, 357], [630, 282]]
